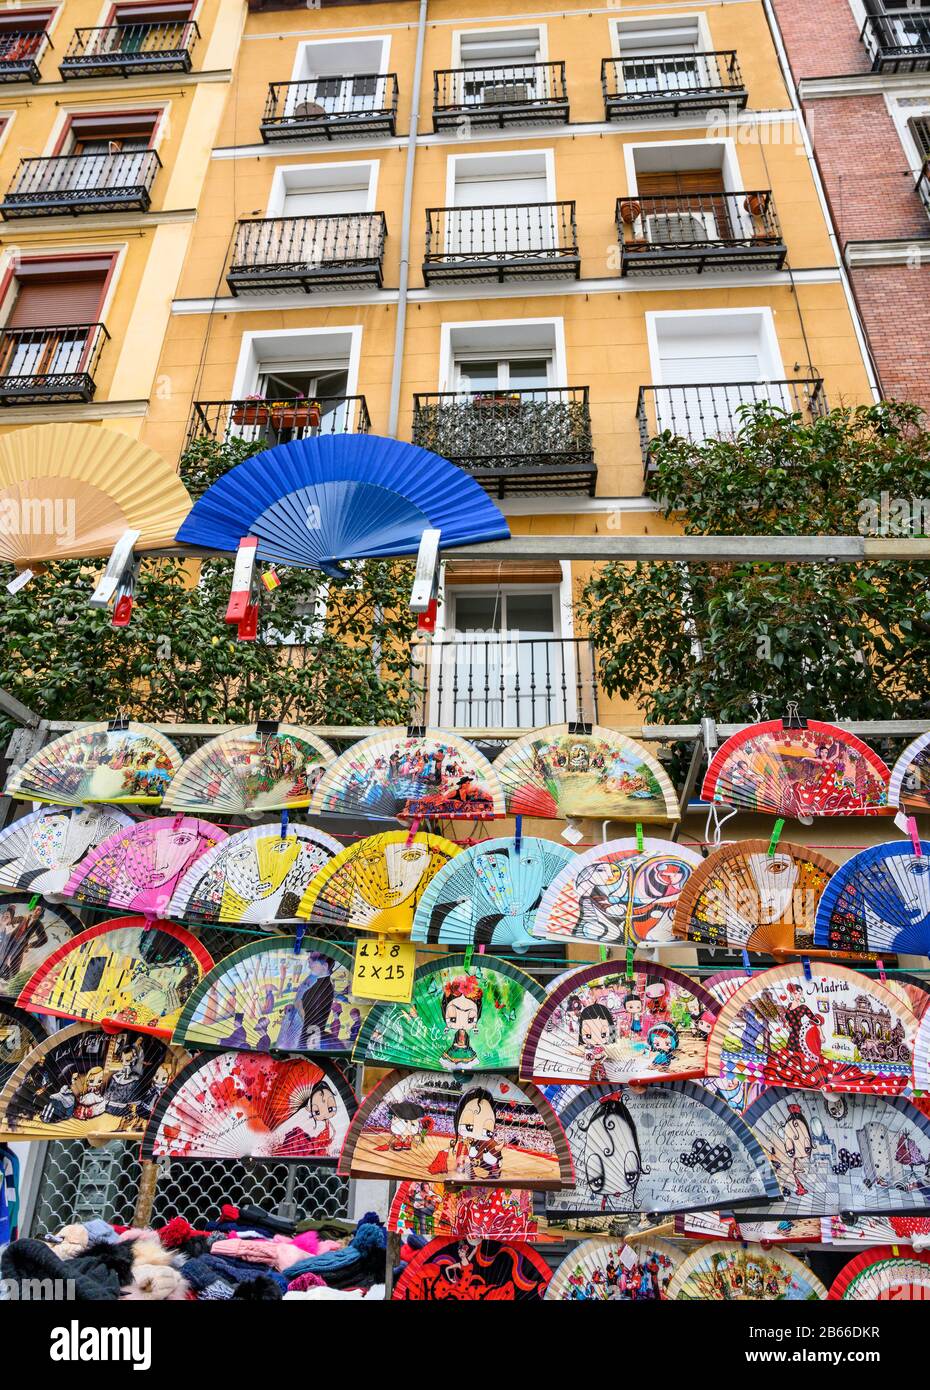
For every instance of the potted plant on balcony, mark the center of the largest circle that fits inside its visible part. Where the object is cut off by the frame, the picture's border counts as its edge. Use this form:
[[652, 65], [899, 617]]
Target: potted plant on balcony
[[506, 400], [295, 415], [756, 204], [252, 411]]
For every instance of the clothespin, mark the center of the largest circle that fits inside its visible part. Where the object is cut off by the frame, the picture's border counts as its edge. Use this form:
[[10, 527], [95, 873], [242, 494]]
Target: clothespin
[[806, 963], [747, 963], [915, 838], [639, 837], [424, 596], [517, 835], [630, 952], [894, 1251], [34, 902], [776, 836], [603, 953], [242, 608], [412, 833], [468, 955], [284, 820], [880, 967], [117, 583], [299, 937]]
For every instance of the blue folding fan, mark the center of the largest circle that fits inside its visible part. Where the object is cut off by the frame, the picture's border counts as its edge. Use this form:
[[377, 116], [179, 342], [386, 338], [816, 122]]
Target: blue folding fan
[[879, 900], [315, 502]]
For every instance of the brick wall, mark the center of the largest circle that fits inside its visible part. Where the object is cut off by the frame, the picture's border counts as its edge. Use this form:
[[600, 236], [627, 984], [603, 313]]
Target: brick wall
[[821, 38], [895, 304]]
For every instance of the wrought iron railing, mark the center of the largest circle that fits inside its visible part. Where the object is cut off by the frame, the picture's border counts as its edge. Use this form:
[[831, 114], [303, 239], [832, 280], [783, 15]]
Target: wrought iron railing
[[128, 49], [76, 183], [517, 241], [512, 441], [670, 83], [270, 422], [55, 364], [899, 41], [693, 232], [715, 410], [500, 94], [21, 52], [307, 253], [331, 107], [923, 185], [494, 680]]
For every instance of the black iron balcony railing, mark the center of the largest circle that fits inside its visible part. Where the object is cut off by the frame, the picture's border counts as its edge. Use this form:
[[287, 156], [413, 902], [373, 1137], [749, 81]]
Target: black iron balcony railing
[[898, 42], [505, 681], [517, 242], [20, 55], [56, 364], [715, 410], [129, 49], [668, 84], [271, 422], [307, 253], [688, 233], [80, 183], [512, 441], [331, 108], [499, 95], [923, 185]]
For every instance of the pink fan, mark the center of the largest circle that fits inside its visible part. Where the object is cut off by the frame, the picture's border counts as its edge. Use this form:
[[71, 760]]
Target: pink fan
[[138, 868]]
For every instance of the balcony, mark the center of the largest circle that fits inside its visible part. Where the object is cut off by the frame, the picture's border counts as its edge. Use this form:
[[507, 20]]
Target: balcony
[[713, 410], [268, 423], [82, 183], [290, 254], [671, 84], [55, 365], [512, 94], [689, 233], [20, 55], [898, 42], [523, 241], [493, 680], [331, 108], [535, 441], [126, 50]]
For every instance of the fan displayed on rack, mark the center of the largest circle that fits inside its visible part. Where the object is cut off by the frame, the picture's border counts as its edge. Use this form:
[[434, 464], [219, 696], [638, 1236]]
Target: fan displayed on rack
[[602, 1023], [38, 852], [489, 893], [377, 883], [909, 787], [623, 892], [883, 1274], [473, 1129], [609, 1270], [667, 1148], [831, 1153], [19, 1035], [270, 996], [242, 1105], [466, 1213], [569, 770], [713, 1225], [30, 931], [473, 1271], [745, 1273], [819, 1027], [122, 761], [254, 767], [460, 1018], [879, 900], [802, 768], [876, 1230], [86, 1083], [401, 773], [125, 973], [921, 1067], [139, 868], [255, 876]]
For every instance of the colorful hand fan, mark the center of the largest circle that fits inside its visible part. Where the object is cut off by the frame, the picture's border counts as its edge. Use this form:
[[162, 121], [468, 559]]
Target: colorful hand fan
[[394, 774], [39, 851], [239, 1105], [909, 787], [84, 1083], [559, 773], [138, 869], [744, 898], [499, 1272], [667, 1148], [830, 1029], [879, 900], [745, 1273], [832, 1153], [713, 1225], [255, 767], [601, 1024], [883, 1275], [489, 893], [19, 1034], [27, 936], [602, 1270], [376, 883], [463, 1129], [257, 875], [812, 770], [458, 1019], [617, 893], [70, 491], [124, 972], [875, 1230], [269, 997], [125, 762], [921, 1068], [468, 1213]]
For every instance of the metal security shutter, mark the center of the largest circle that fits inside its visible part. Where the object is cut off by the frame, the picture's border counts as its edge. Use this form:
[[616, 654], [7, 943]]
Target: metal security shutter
[[680, 182], [325, 202], [57, 299]]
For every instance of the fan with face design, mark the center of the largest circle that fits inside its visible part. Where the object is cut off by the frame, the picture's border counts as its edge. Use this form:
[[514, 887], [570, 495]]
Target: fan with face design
[[255, 876], [376, 884], [139, 868]]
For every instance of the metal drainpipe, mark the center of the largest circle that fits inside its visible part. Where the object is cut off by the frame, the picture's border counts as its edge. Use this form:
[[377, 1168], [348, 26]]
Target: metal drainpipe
[[404, 277]]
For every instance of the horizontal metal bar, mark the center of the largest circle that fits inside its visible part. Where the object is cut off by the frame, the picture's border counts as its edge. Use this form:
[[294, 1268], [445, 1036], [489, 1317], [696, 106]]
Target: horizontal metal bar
[[739, 549]]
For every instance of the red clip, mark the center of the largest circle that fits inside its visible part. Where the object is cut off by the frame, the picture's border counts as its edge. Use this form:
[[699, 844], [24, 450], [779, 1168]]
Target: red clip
[[122, 612], [426, 622], [247, 630]]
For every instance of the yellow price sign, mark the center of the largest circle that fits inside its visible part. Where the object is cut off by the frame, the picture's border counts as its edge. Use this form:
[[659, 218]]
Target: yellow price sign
[[384, 969]]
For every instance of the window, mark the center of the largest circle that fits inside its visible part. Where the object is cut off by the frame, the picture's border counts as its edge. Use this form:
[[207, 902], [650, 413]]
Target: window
[[662, 56], [49, 327], [320, 190], [477, 375], [341, 77], [521, 355], [505, 197], [707, 356], [22, 34], [500, 65], [919, 128], [297, 365]]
